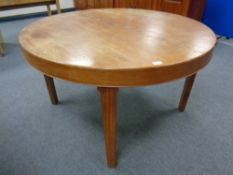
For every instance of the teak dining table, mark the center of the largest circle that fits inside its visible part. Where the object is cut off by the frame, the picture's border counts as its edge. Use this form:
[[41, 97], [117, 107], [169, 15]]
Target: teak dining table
[[116, 48]]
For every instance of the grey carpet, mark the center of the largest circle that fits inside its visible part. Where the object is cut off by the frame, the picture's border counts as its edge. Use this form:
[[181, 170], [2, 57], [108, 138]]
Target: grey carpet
[[37, 138]]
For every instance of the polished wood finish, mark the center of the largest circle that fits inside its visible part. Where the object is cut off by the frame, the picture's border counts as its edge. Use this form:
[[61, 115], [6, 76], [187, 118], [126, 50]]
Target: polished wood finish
[[103, 3], [109, 108], [186, 92], [145, 4], [156, 5], [142, 50], [124, 4], [174, 6], [51, 89], [88, 4], [191, 8], [196, 9], [80, 4], [115, 48]]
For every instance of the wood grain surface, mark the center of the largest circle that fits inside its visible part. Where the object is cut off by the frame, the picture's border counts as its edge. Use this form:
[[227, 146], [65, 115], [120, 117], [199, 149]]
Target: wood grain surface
[[191, 8], [51, 89], [109, 108], [117, 47], [114, 48]]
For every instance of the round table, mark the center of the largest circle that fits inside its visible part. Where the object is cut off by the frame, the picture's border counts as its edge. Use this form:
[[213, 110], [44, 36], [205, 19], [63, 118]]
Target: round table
[[113, 48]]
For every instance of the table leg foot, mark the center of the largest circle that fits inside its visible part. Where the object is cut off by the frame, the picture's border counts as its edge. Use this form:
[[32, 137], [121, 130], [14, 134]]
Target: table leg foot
[[51, 89], [109, 103], [186, 92]]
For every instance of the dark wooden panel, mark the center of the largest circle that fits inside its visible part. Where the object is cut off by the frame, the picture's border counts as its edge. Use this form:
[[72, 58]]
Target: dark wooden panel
[[196, 9], [80, 4], [103, 3], [176, 6], [124, 4], [156, 4], [191, 8], [145, 4], [88, 4]]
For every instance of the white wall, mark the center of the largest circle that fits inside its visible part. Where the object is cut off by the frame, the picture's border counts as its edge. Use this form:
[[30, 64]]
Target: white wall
[[64, 5]]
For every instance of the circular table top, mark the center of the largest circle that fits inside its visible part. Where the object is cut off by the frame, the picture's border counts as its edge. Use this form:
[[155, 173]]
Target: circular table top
[[117, 47]]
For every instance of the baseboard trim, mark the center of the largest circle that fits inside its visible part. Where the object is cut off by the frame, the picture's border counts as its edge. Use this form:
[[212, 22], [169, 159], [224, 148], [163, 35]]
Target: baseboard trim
[[31, 15]]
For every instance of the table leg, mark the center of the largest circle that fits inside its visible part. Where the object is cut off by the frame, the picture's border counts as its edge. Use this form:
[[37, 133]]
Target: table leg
[[109, 105], [58, 6], [49, 10], [51, 89], [186, 92]]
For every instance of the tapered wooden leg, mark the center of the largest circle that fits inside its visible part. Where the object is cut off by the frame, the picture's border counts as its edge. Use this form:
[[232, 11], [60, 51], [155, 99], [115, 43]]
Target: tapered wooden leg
[[109, 105], [51, 89], [49, 10], [58, 6], [186, 92]]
